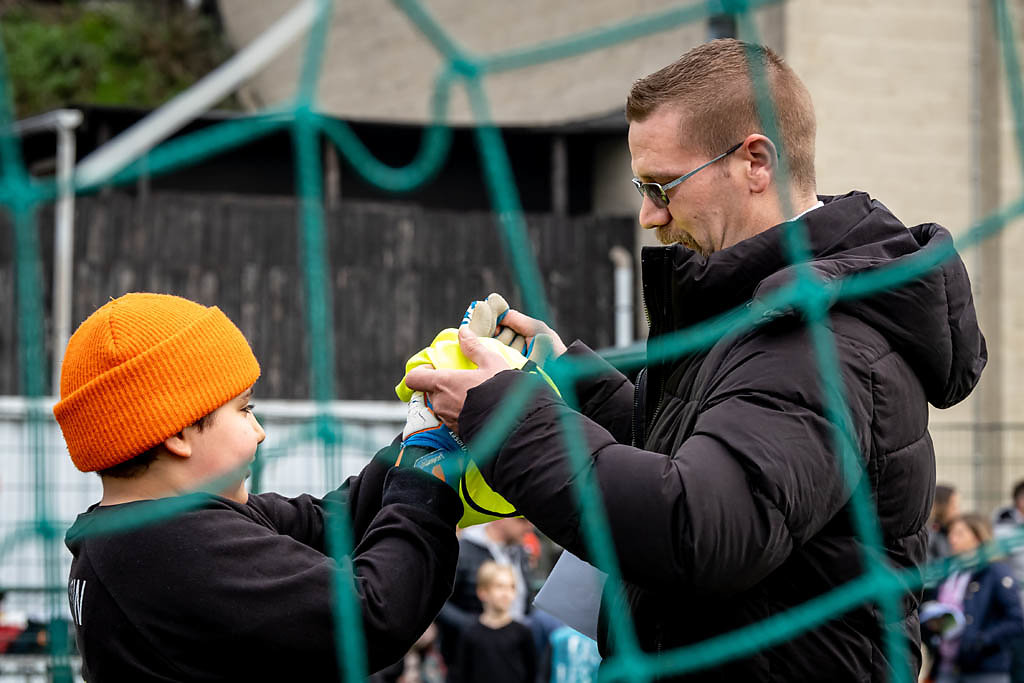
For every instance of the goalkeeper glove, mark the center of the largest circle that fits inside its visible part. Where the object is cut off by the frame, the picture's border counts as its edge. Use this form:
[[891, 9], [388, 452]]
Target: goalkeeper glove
[[428, 445], [484, 318]]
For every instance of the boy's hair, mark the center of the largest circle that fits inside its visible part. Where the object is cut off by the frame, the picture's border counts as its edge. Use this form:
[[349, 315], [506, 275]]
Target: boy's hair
[[140, 369], [1018, 490], [489, 570], [135, 467], [711, 86]]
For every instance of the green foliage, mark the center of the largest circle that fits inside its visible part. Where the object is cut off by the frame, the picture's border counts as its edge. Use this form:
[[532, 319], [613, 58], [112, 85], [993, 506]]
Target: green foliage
[[120, 53]]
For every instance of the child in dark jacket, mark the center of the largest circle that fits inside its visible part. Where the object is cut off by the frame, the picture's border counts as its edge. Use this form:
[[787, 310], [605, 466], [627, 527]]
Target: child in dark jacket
[[978, 614], [180, 574], [496, 648]]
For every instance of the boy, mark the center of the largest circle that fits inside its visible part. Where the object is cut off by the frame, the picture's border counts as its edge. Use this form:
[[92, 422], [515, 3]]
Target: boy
[[496, 649], [155, 395]]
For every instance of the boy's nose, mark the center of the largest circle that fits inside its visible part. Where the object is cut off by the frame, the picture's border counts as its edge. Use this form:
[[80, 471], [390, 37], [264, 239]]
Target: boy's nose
[[261, 435]]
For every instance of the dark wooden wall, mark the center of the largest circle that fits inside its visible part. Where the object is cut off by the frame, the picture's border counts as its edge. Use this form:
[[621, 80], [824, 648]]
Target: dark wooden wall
[[398, 275]]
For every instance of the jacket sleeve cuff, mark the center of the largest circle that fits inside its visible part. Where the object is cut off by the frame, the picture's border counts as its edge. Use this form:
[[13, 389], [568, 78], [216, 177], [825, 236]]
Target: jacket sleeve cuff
[[482, 401], [409, 486]]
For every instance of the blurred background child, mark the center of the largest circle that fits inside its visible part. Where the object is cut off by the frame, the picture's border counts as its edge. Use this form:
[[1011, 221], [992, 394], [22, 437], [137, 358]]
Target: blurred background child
[[496, 649]]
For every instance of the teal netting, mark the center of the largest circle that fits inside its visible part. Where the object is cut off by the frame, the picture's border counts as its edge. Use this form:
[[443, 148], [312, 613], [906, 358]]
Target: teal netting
[[22, 195]]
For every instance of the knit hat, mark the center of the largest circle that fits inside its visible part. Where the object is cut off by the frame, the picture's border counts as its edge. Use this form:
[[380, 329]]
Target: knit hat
[[143, 367]]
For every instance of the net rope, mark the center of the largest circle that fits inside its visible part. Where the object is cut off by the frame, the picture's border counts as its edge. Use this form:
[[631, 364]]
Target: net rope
[[22, 195]]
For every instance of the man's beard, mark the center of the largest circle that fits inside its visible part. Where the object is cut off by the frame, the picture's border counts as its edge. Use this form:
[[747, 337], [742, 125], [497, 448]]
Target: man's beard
[[670, 235]]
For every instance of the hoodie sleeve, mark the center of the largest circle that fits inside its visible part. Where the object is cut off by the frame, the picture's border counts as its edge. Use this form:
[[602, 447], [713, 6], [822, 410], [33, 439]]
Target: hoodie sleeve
[[303, 517], [216, 583], [756, 475]]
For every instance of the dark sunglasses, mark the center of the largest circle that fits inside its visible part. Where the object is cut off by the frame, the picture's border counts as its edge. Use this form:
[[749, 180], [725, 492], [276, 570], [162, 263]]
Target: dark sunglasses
[[656, 192]]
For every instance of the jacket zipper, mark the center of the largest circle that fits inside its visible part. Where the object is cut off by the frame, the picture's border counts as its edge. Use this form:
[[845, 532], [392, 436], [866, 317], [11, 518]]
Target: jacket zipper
[[664, 316], [638, 419], [641, 378]]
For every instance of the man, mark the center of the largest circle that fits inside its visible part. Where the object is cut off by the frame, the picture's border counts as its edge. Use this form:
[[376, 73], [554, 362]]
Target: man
[[718, 473]]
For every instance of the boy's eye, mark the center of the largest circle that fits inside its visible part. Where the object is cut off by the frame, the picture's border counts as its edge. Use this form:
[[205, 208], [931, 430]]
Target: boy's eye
[[249, 408]]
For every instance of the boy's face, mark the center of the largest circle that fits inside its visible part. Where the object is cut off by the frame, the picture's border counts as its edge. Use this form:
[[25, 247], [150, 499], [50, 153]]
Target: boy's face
[[498, 596], [227, 443]]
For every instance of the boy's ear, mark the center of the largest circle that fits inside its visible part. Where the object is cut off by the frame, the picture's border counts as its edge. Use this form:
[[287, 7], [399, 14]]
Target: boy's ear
[[178, 445]]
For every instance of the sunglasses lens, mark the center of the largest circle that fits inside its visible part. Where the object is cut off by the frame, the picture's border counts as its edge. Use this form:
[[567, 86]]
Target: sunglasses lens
[[652, 191], [655, 194]]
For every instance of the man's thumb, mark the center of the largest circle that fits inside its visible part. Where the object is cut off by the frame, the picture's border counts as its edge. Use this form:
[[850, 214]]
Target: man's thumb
[[470, 344], [421, 378]]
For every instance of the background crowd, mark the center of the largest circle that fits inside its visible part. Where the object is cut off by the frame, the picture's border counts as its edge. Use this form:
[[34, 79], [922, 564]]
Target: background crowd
[[972, 623]]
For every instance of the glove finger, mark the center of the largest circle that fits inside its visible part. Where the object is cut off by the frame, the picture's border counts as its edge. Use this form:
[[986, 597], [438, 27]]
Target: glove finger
[[496, 302], [480, 319], [541, 349], [506, 335], [518, 343]]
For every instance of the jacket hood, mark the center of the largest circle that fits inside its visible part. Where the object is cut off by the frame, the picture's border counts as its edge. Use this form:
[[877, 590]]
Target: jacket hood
[[930, 320]]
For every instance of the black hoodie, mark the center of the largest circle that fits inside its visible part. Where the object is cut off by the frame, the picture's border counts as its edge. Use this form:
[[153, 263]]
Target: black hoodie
[[725, 502], [230, 592]]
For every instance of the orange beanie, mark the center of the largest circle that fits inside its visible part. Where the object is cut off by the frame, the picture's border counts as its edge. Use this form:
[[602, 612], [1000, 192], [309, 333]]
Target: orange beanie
[[143, 367]]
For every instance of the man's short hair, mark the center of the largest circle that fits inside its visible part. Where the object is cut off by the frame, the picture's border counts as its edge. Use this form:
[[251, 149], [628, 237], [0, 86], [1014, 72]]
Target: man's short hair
[[712, 87], [489, 570], [1018, 489]]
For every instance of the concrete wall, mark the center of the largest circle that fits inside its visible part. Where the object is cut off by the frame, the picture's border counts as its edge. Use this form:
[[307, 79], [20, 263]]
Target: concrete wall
[[379, 66], [912, 107]]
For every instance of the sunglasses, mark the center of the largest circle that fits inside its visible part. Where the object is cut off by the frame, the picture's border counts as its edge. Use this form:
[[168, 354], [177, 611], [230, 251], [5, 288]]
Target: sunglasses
[[656, 192]]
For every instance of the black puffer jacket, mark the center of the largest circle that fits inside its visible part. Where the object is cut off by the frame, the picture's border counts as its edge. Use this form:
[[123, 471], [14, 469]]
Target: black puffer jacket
[[730, 507]]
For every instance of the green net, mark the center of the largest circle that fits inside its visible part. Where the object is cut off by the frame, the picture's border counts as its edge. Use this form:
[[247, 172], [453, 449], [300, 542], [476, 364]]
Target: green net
[[22, 196]]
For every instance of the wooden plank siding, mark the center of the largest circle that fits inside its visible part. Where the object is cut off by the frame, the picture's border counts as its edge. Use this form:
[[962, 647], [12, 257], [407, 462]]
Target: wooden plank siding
[[398, 274]]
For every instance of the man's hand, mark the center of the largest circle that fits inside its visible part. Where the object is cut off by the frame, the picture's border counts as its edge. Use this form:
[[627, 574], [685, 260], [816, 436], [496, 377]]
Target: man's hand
[[529, 328], [447, 388], [492, 317]]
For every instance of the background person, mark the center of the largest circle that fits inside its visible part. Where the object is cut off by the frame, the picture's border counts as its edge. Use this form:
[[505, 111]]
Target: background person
[[975, 649], [945, 507], [499, 541], [496, 648], [1008, 521]]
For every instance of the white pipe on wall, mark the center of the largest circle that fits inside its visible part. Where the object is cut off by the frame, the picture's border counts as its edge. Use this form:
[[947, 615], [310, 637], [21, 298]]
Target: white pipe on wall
[[623, 261], [64, 122]]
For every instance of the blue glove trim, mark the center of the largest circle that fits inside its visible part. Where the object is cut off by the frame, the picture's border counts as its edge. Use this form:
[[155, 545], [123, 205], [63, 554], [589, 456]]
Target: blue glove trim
[[439, 439], [468, 314]]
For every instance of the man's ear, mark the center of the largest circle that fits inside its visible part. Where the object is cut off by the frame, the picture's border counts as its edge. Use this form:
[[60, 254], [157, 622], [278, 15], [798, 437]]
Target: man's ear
[[763, 162], [178, 445]]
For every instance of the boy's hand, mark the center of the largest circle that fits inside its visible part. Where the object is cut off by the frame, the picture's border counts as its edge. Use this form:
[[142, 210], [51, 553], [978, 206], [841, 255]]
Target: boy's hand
[[428, 445]]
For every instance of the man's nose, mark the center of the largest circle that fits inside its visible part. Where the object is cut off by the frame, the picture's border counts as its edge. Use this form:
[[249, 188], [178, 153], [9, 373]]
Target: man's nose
[[652, 216]]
